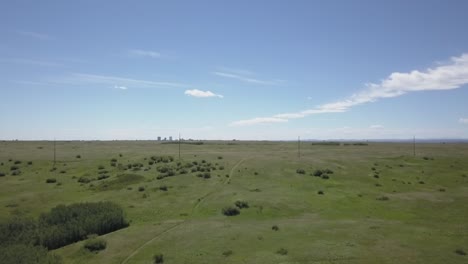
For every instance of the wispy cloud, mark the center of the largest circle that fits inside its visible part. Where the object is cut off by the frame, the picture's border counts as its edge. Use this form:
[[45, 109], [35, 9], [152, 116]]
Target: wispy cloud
[[144, 53], [201, 94], [33, 62], [244, 76], [463, 120], [258, 120], [93, 79], [35, 35], [120, 87], [448, 76], [376, 127]]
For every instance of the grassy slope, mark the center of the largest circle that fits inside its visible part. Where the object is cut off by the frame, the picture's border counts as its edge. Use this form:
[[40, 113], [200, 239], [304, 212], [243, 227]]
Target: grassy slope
[[418, 224]]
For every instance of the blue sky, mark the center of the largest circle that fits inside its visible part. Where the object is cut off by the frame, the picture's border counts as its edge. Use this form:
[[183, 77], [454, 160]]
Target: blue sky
[[237, 69]]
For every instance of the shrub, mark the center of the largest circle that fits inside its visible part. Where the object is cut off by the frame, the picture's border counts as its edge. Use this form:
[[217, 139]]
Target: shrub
[[78, 156], [120, 155], [2, 174], [113, 164], [460, 251], [328, 171], [376, 176], [63, 171], [221, 168], [14, 168], [17, 162], [113, 160], [230, 211], [219, 157], [300, 171], [158, 259], [242, 204], [207, 175], [163, 188], [51, 180], [103, 176], [382, 198], [282, 251], [141, 188], [320, 192], [16, 173], [275, 228], [227, 253], [30, 162], [318, 173], [95, 244], [325, 176], [442, 190], [84, 179], [421, 182]]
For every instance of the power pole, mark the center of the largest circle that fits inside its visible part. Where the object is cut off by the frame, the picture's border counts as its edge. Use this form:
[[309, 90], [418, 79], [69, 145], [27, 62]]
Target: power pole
[[299, 146], [54, 153], [179, 145]]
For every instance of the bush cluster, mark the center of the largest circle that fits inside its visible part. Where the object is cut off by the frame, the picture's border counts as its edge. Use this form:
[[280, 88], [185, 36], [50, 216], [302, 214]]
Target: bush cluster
[[230, 211], [95, 244]]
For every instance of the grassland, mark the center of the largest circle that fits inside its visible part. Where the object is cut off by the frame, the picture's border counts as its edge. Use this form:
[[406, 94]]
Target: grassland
[[380, 204]]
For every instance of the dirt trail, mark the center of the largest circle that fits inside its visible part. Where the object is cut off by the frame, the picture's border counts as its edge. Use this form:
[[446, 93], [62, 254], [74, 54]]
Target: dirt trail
[[200, 200]]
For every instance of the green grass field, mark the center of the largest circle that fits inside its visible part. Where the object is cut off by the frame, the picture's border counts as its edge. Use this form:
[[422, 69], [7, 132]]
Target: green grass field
[[380, 205]]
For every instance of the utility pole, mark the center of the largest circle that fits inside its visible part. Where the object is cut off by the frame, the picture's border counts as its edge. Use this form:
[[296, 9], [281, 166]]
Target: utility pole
[[54, 152], [299, 146], [179, 145]]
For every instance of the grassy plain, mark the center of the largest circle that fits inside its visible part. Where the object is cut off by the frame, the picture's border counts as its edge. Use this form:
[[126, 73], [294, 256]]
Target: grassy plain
[[380, 204]]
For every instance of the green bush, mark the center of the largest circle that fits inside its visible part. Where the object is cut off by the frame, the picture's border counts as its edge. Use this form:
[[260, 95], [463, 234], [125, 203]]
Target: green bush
[[320, 192], [227, 253], [460, 251], [84, 180], [95, 244], [16, 173], [13, 168], [141, 188], [230, 211], [300, 171], [17, 162], [78, 156], [275, 228], [382, 198], [158, 258], [318, 173], [103, 176], [2, 174], [241, 204], [51, 180], [282, 251]]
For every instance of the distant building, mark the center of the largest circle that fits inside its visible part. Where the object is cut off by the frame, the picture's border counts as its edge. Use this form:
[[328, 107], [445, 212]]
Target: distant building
[[159, 138], [164, 139], [170, 138]]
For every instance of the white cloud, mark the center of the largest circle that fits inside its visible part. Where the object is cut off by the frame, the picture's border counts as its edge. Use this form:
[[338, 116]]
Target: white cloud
[[443, 77], [93, 79], [34, 35], [240, 75], [120, 87], [463, 120], [33, 62], [376, 127], [202, 94], [144, 53], [259, 120]]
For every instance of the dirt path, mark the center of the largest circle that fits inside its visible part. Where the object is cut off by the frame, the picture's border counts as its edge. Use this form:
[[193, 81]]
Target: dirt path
[[200, 200]]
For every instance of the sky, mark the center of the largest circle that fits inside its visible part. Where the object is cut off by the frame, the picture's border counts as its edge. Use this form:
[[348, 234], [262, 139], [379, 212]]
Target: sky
[[250, 70]]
